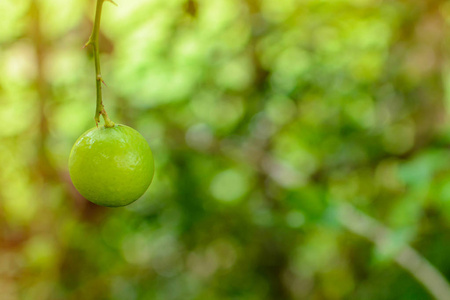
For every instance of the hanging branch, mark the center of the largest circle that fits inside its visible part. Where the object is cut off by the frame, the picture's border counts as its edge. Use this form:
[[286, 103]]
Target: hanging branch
[[93, 40]]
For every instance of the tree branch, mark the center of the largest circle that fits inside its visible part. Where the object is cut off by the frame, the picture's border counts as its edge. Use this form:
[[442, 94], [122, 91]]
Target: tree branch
[[408, 258], [93, 40]]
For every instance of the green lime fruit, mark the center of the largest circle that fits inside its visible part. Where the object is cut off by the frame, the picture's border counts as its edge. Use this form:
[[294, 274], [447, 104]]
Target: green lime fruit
[[111, 166]]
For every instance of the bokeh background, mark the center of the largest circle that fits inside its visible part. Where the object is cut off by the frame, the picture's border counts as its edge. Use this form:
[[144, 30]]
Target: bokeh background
[[301, 149]]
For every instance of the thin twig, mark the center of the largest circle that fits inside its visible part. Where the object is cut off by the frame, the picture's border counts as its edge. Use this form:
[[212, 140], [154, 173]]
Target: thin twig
[[93, 40]]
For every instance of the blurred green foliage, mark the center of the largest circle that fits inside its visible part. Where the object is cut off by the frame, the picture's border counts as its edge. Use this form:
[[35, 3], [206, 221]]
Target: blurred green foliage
[[265, 117]]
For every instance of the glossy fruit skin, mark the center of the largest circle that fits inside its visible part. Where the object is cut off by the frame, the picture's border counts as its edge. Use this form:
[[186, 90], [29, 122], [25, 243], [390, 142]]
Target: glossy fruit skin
[[111, 166]]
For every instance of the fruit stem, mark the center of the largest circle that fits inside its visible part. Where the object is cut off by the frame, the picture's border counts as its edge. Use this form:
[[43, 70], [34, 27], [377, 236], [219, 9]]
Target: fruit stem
[[93, 40]]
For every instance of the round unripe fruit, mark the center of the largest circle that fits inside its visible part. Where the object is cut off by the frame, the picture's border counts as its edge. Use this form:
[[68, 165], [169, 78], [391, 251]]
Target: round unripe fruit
[[111, 166]]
